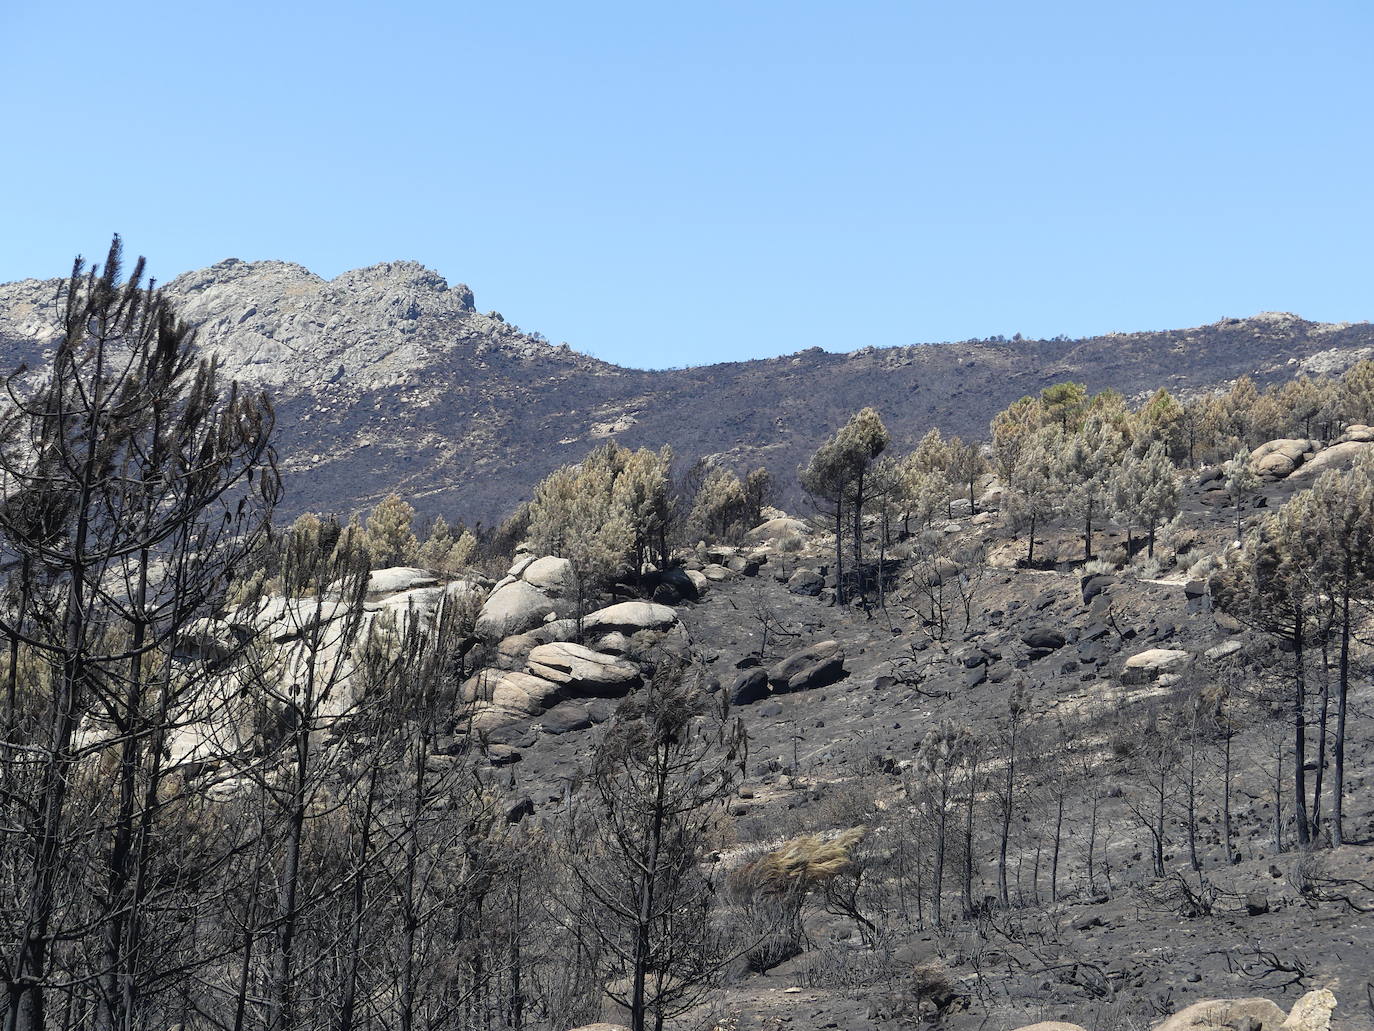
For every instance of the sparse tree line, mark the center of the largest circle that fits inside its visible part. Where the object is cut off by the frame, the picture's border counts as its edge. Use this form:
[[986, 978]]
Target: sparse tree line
[[1062, 456], [1304, 575]]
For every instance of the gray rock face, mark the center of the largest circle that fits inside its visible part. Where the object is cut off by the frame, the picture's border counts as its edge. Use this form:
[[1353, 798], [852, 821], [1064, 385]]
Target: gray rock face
[[820, 664], [583, 672], [502, 697], [806, 582]]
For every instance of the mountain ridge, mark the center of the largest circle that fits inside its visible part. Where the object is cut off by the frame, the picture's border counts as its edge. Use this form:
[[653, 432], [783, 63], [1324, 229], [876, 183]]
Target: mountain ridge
[[388, 377]]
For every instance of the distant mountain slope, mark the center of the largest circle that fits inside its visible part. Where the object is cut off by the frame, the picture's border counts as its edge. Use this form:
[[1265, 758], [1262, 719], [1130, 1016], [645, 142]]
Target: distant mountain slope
[[388, 378]]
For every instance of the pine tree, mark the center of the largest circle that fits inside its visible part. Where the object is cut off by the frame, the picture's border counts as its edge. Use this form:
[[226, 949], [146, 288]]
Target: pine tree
[[1086, 463], [1265, 584], [1337, 541], [136, 484], [966, 465], [720, 506], [1145, 491], [1162, 419], [1357, 393], [445, 553], [862, 439], [1034, 496], [576, 515], [1242, 483], [387, 534], [1065, 403]]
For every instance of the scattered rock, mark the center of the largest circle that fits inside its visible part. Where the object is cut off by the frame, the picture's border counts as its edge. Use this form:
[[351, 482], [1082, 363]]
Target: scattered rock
[[503, 755], [1045, 638], [1223, 650], [519, 811], [1095, 585], [752, 686], [806, 582]]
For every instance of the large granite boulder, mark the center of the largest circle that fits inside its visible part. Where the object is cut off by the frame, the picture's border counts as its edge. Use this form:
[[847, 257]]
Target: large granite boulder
[[500, 697], [774, 529], [1358, 431], [1337, 456], [1278, 458], [630, 617], [1148, 666], [425, 601], [1226, 1015], [533, 592], [583, 672], [554, 576], [514, 608], [287, 619], [394, 579]]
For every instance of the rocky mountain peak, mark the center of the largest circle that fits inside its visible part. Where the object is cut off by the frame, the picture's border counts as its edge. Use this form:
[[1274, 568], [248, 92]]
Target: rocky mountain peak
[[277, 324]]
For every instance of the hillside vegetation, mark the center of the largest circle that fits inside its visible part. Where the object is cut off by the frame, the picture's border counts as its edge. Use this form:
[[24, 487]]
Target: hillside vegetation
[[1063, 718]]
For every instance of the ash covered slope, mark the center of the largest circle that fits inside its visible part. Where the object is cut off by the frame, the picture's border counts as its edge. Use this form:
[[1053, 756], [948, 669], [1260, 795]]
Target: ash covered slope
[[389, 378]]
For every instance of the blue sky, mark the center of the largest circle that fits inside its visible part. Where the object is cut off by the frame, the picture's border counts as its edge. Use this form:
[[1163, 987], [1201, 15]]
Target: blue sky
[[677, 184]]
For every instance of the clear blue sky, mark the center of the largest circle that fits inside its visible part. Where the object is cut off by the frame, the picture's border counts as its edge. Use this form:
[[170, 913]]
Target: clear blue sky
[[666, 184]]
